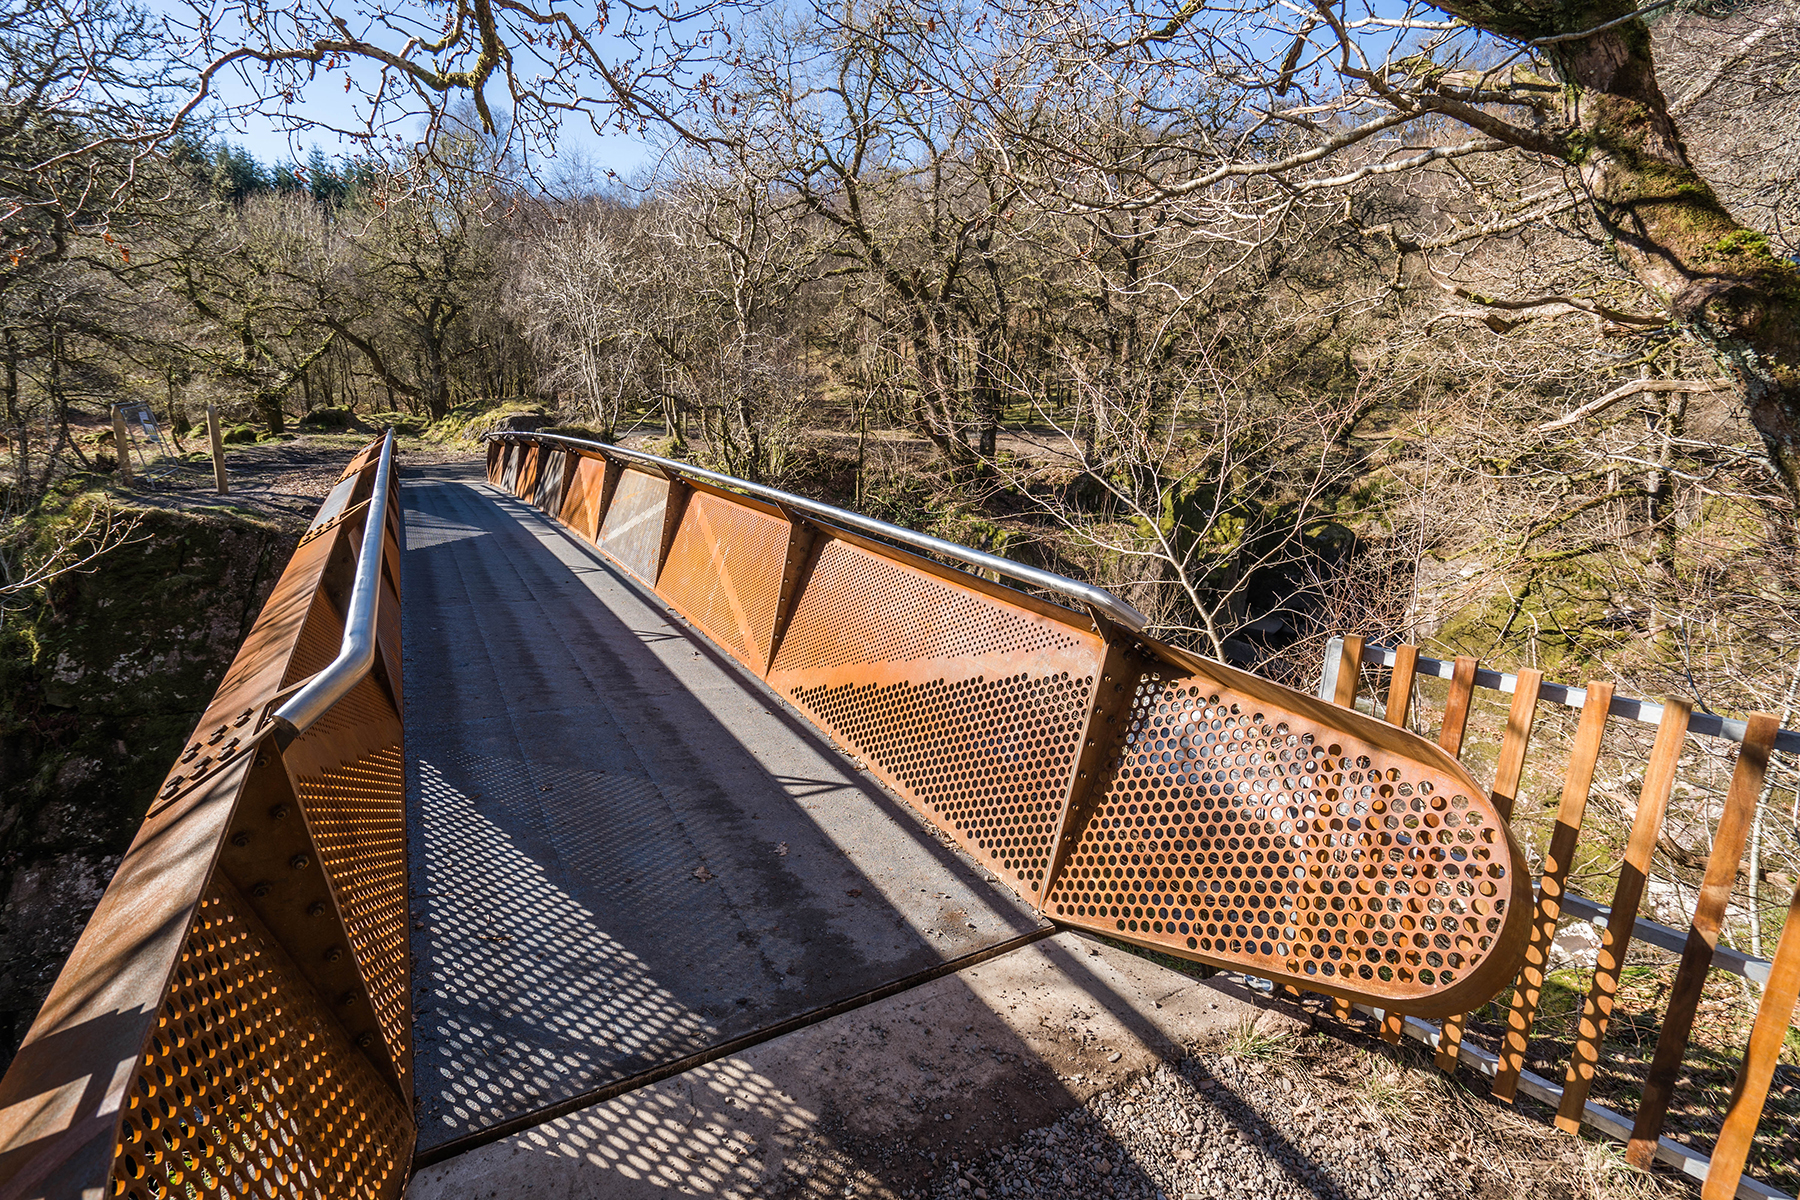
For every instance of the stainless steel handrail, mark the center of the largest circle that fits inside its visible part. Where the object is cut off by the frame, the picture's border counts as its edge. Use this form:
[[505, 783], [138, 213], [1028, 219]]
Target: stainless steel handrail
[[356, 654], [1098, 598]]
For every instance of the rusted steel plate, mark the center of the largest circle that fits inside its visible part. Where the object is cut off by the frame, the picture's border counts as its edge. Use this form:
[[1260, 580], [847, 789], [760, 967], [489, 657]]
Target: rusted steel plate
[[1251, 826], [57, 1126], [529, 464], [363, 460], [724, 573], [509, 467], [968, 706], [547, 494], [632, 532], [272, 858], [581, 500], [62, 1097], [336, 501]]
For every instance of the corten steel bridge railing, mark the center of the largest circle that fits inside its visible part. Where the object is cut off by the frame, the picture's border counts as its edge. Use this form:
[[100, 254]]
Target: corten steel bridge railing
[[1346, 659], [1121, 785], [235, 1019]]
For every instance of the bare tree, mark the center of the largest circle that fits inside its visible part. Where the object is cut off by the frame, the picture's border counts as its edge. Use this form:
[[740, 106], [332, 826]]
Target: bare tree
[[575, 285]]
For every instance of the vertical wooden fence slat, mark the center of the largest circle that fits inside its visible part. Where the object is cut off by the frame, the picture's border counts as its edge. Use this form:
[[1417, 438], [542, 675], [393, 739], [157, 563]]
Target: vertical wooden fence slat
[[1653, 801], [1507, 772], [1579, 780], [1400, 686], [1456, 705], [1767, 1037], [1703, 935], [1399, 704], [1349, 672]]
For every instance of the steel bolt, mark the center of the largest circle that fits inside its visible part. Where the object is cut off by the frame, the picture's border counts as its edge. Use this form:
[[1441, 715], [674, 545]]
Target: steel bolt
[[365, 1040], [278, 813], [299, 862], [241, 838], [333, 954], [316, 909], [261, 889]]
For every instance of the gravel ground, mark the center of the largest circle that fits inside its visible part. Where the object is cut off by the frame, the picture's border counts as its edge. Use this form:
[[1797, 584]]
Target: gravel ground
[[1334, 1115]]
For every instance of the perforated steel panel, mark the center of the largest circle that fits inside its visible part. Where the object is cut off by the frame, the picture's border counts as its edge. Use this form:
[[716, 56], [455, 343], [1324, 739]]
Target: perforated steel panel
[[861, 608], [969, 707], [357, 816], [581, 501], [318, 643], [724, 574], [632, 532], [1257, 838], [248, 1086]]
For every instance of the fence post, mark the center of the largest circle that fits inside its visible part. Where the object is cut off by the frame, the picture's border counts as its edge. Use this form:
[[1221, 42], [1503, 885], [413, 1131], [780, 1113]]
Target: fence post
[[1703, 936], [218, 450], [121, 446]]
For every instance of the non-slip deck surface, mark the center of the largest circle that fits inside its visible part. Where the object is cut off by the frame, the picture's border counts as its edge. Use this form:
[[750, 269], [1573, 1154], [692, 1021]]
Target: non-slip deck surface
[[624, 848]]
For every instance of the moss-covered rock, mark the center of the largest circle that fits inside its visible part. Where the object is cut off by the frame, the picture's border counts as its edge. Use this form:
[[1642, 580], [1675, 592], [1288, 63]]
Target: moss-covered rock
[[328, 418]]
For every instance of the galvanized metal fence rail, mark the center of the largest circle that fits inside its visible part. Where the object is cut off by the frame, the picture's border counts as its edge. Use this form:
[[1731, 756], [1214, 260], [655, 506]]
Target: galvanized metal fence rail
[[1757, 736], [1121, 785], [236, 1017]]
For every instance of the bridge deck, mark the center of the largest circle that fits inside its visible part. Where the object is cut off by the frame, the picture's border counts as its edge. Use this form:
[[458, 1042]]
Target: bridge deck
[[625, 849]]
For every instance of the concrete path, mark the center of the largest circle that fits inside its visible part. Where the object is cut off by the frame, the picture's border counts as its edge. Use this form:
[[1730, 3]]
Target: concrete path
[[625, 850], [877, 1101]]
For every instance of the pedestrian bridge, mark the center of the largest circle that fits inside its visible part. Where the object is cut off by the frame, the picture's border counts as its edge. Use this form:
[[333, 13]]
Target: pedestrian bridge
[[650, 765]]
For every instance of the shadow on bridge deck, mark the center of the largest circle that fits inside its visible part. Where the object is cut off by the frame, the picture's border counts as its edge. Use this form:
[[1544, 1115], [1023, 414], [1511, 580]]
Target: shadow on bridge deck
[[626, 850]]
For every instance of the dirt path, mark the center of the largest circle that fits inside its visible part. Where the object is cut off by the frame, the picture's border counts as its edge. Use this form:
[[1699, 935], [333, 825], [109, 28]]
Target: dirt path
[[281, 482]]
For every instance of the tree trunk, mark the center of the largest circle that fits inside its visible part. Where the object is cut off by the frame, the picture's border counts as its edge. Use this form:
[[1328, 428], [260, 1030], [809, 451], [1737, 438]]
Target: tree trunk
[[1716, 276]]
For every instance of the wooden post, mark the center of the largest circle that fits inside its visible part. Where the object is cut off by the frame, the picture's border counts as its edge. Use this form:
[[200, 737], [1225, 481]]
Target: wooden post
[[1703, 935], [1529, 989], [122, 446], [218, 450], [1596, 1012]]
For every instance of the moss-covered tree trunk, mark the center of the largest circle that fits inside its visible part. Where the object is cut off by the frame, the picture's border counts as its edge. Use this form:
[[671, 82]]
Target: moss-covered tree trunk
[[1714, 274]]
